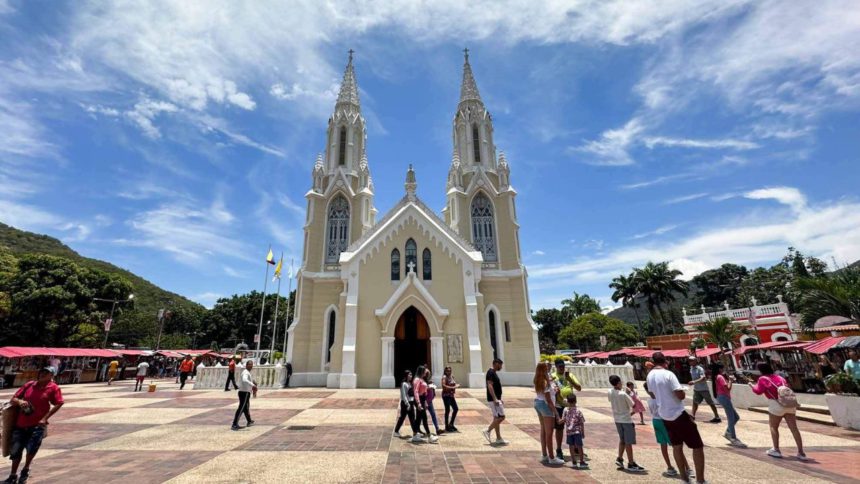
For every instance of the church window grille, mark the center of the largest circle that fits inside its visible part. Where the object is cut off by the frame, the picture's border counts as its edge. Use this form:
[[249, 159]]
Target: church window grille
[[337, 238], [341, 153], [476, 143], [332, 319], [395, 265], [484, 227], [493, 338], [411, 256], [426, 265]]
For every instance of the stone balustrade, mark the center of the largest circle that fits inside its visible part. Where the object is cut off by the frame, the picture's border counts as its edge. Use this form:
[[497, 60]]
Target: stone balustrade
[[779, 309], [266, 376], [597, 376]]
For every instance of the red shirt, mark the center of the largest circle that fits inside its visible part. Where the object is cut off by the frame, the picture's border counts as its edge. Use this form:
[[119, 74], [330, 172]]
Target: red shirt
[[232, 365], [41, 398], [187, 366]]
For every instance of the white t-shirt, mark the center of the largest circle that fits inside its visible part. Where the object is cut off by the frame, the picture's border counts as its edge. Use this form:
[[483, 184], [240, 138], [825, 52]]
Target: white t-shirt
[[539, 396], [622, 404], [142, 368], [246, 382], [652, 407], [663, 383]]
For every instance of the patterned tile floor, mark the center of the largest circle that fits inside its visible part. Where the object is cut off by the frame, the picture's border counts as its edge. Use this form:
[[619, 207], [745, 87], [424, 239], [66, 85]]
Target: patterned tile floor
[[110, 434]]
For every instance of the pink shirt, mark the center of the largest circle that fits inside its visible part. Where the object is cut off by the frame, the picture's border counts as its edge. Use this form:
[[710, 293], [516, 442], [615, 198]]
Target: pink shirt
[[723, 387], [767, 385], [420, 386]]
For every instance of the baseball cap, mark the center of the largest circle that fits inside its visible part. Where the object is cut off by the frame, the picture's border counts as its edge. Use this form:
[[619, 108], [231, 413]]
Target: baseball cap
[[49, 369]]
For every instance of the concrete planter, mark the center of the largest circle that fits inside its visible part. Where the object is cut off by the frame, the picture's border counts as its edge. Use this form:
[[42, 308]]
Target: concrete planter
[[845, 410]]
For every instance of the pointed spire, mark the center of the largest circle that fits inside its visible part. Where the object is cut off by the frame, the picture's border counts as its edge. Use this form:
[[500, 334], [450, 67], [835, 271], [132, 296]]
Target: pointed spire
[[362, 165], [411, 185], [319, 163], [468, 89], [349, 87]]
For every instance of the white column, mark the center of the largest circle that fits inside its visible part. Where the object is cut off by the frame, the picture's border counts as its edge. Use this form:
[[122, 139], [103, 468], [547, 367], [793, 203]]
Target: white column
[[436, 360], [348, 378], [476, 371], [387, 379]]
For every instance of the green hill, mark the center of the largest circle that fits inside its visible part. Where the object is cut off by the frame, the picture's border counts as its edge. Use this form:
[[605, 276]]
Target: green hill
[[148, 298]]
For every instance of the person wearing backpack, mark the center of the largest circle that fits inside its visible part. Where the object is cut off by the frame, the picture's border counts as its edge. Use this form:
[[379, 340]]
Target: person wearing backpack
[[782, 403]]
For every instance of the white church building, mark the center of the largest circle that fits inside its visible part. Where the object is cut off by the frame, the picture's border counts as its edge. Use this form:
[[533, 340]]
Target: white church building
[[376, 296]]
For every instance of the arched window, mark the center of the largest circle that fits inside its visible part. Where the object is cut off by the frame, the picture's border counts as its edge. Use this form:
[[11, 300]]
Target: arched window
[[426, 265], [395, 265], [337, 237], [476, 143], [484, 227], [493, 339], [332, 318], [411, 256], [341, 152]]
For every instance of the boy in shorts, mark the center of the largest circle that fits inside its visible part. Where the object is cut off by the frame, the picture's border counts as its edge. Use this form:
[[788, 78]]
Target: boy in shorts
[[574, 425], [661, 433], [622, 409]]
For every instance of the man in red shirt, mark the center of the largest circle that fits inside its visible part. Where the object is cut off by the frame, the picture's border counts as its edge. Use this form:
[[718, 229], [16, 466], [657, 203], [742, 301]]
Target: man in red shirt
[[37, 401], [185, 369], [231, 375]]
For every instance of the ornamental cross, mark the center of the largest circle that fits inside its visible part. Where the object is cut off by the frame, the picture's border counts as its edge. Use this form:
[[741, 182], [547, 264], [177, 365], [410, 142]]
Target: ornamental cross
[[466, 53], [411, 266], [350, 53]]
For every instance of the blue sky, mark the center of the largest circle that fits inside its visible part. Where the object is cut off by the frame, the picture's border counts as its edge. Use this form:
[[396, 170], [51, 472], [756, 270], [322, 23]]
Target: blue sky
[[176, 139]]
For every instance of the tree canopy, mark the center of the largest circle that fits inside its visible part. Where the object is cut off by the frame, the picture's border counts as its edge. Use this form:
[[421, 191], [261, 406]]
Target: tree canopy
[[584, 333]]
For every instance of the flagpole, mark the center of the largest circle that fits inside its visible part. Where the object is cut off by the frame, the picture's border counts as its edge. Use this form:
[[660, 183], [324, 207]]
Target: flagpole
[[287, 317], [275, 318], [263, 306]]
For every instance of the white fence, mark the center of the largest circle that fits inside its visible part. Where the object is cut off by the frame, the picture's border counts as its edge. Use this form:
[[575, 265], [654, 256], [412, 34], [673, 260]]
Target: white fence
[[266, 376], [597, 376]]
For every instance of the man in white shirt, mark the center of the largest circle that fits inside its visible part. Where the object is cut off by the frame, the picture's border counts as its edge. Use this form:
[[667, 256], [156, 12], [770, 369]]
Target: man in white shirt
[[247, 386], [142, 370], [682, 429]]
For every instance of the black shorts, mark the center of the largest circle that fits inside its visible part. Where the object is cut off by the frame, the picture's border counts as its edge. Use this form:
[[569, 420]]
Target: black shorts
[[29, 438], [683, 430], [559, 426]]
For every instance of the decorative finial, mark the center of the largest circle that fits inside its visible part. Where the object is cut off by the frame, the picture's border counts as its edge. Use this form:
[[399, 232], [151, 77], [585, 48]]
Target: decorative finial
[[348, 87], [411, 185], [468, 88], [466, 54], [319, 163], [350, 55]]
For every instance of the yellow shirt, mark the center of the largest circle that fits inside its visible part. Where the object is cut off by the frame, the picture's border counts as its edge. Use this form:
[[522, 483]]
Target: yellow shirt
[[113, 365]]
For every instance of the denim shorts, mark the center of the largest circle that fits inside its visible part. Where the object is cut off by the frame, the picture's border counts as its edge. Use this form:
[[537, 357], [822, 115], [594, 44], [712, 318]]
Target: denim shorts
[[29, 438], [543, 409], [574, 440]]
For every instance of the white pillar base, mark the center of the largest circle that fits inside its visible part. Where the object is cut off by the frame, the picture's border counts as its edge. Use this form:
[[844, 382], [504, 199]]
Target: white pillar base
[[477, 380], [348, 380], [387, 382]]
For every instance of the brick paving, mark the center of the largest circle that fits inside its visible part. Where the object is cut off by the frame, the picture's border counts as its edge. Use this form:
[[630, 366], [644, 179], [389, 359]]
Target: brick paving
[[317, 435]]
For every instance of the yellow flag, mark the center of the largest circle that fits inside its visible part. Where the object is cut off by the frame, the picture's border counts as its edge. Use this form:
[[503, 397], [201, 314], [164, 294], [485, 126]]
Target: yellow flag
[[270, 258], [278, 269]]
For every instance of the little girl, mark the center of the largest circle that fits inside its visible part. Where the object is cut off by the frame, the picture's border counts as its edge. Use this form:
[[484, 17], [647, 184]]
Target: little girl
[[638, 406]]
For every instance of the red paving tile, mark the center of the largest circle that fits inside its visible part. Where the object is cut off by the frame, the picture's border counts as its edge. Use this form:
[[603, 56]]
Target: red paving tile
[[359, 403], [193, 403], [834, 464], [298, 394], [224, 416], [333, 439], [73, 435]]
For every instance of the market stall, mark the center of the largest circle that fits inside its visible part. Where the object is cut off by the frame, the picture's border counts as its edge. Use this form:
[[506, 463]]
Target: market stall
[[74, 365]]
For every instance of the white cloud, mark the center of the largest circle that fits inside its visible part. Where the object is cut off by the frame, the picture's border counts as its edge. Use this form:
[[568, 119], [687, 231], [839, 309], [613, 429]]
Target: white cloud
[[207, 299], [828, 230], [611, 148], [658, 231], [734, 144], [685, 198], [785, 195], [145, 111], [234, 273], [538, 252], [660, 180]]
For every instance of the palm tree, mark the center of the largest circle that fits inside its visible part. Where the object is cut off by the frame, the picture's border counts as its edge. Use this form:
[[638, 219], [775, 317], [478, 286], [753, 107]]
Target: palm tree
[[657, 283], [837, 294], [667, 281], [645, 284], [722, 332], [626, 292]]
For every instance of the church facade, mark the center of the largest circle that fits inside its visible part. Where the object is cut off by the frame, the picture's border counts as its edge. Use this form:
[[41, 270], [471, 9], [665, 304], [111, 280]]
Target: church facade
[[378, 296]]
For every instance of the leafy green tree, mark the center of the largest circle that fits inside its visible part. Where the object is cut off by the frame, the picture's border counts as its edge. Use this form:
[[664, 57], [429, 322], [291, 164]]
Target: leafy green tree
[[577, 306], [716, 286], [837, 294], [626, 292], [549, 322], [8, 269], [584, 332], [236, 319], [722, 332]]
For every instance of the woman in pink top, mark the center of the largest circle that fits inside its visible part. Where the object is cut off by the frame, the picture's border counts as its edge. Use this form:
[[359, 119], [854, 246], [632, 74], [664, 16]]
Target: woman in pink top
[[722, 388], [767, 385], [419, 386]]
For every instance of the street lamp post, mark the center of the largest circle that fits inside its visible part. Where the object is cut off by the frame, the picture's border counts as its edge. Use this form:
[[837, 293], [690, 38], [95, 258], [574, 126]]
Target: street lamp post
[[113, 302]]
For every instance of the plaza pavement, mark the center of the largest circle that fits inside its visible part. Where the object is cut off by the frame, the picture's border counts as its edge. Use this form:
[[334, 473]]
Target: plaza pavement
[[306, 435]]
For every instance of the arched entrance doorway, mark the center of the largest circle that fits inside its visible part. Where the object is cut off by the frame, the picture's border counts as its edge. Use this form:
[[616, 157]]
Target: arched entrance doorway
[[411, 342]]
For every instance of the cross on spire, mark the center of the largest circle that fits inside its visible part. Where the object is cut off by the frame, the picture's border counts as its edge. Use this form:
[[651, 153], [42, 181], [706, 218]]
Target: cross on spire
[[348, 87], [350, 54], [466, 54]]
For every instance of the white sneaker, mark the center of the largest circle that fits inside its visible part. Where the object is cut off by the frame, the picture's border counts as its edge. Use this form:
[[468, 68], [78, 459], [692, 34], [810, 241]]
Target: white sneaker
[[737, 443], [486, 434], [774, 453], [397, 434], [802, 458], [727, 436], [503, 442], [544, 460], [555, 461], [417, 440], [434, 439]]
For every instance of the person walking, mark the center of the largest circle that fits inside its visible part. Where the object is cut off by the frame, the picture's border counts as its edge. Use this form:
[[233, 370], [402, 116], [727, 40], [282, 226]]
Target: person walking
[[681, 427], [185, 369], [622, 411], [574, 425], [722, 388], [548, 415], [497, 407], [289, 371], [37, 401], [142, 370], [700, 389], [638, 406], [781, 404], [247, 387], [407, 406], [231, 375], [113, 368], [449, 388], [661, 434], [431, 396], [419, 387], [564, 382]]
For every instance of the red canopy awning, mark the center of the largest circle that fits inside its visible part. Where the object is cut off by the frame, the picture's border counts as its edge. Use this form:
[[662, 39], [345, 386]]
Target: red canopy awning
[[705, 352], [823, 346], [601, 354], [676, 353], [762, 346], [586, 355], [26, 351]]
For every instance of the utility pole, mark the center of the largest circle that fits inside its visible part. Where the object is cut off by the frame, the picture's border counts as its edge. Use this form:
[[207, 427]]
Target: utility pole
[[109, 321]]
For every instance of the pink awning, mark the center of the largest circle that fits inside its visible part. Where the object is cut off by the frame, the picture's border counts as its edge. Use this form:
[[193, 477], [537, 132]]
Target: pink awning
[[705, 352], [823, 346], [26, 351], [762, 346]]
